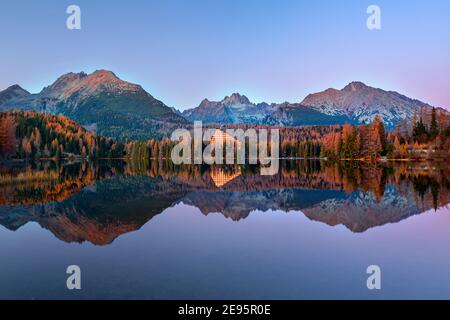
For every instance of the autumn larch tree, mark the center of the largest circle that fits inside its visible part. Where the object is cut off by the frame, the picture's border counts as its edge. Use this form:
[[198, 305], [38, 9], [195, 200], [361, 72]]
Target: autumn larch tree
[[8, 141]]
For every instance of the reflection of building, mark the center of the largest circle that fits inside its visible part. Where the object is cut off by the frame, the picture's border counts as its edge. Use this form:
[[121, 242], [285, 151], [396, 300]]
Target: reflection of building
[[221, 177]]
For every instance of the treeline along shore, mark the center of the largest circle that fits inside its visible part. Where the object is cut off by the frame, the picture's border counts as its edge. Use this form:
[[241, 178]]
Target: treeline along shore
[[35, 136]]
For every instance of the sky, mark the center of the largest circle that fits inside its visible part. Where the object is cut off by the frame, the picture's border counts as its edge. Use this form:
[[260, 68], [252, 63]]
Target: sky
[[182, 51]]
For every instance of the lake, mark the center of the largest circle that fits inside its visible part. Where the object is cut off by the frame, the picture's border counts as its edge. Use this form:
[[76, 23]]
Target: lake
[[152, 230]]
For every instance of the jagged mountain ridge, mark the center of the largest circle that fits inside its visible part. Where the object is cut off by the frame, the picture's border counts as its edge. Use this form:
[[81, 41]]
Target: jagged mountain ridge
[[102, 102], [362, 103], [356, 103], [237, 109]]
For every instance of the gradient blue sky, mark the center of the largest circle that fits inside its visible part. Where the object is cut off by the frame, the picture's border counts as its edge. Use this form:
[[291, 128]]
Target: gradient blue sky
[[182, 51]]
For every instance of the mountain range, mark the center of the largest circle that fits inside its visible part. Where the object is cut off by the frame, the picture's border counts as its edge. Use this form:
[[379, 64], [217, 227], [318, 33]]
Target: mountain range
[[356, 103], [238, 109], [102, 102]]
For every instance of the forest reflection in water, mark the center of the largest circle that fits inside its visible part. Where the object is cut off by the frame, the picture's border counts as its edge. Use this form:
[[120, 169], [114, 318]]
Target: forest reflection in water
[[97, 202]]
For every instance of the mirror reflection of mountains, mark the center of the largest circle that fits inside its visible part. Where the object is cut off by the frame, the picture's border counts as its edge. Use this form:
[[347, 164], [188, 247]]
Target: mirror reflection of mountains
[[98, 202]]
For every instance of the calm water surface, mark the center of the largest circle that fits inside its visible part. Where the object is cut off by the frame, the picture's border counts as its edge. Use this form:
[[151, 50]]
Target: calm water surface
[[154, 231]]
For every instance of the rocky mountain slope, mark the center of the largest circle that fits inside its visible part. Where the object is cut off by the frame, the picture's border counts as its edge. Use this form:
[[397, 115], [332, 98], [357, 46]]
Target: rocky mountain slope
[[237, 109], [102, 102], [232, 109], [13, 93], [99, 101], [362, 103], [356, 103]]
